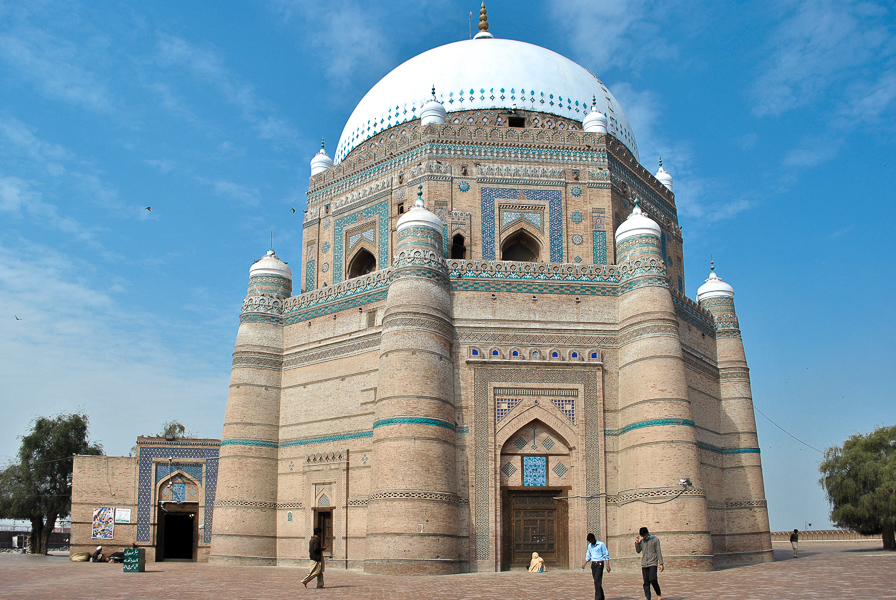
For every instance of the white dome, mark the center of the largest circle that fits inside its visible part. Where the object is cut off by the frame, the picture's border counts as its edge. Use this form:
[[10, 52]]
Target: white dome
[[420, 216], [269, 264], [714, 287], [637, 224], [321, 161], [433, 111], [596, 121], [484, 74], [664, 177]]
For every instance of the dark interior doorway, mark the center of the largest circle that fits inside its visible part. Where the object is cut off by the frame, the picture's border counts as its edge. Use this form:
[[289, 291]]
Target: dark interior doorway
[[177, 532], [534, 521], [323, 518], [362, 264], [520, 247]]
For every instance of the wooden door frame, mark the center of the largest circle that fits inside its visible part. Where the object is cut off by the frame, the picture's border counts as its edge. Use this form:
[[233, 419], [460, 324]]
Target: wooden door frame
[[562, 526], [327, 543]]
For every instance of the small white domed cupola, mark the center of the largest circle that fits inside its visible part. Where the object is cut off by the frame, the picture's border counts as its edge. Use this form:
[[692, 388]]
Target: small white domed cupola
[[270, 264], [321, 161], [637, 224], [483, 25], [433, 111], [595, 121], [664, 177], [714, 286], [420, 216]]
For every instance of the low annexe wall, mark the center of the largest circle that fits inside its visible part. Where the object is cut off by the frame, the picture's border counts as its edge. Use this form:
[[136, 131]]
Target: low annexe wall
[[823, 535]]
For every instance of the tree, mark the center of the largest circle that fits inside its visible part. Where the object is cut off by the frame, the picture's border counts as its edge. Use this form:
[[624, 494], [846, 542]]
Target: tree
[[860, 481], [39, 487], [170, 430]]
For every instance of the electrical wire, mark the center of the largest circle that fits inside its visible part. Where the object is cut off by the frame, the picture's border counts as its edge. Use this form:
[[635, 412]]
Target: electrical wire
[[787, 432]]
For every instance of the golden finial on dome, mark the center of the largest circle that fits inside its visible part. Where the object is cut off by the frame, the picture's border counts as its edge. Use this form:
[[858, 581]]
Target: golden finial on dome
[[483, 18]]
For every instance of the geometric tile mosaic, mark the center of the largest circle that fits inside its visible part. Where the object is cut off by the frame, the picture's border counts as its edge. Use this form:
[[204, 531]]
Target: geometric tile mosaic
[[145, 484], [379, 212], [554, 200], [535, 471], [567, 406], [548, 443], [560, 469], [504, 406], [508, 469], [576, 216], [179, 492], [520, 443], [509, 217], [194, 471]]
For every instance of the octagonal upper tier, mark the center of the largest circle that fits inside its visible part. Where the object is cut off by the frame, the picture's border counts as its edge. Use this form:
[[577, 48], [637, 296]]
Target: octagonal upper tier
[[484, 74]]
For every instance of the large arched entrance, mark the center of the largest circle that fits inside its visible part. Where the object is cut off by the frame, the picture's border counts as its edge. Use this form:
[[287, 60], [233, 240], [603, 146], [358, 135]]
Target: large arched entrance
[[534, 462]]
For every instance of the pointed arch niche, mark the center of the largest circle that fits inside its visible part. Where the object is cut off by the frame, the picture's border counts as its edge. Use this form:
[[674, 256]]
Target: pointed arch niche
[[362, 263], [521, 246]]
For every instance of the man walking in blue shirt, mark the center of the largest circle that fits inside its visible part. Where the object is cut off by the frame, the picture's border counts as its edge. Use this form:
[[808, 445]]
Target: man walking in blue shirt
[[599, 557]]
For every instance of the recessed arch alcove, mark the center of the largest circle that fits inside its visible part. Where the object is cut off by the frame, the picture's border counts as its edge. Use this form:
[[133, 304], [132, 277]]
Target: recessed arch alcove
[[521, 246], [362, 263]]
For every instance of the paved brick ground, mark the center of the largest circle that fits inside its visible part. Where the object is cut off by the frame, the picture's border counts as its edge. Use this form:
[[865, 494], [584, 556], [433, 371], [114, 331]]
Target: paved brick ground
[[824, 570]]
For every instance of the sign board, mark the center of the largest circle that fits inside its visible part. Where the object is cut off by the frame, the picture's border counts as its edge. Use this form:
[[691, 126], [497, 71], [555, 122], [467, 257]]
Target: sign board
[[134, 560], [122, 515]]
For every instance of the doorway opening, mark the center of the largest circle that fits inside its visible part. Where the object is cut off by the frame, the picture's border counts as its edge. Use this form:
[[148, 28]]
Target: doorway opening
[[521, 247], [177, 533], [363, 263], [323, 518], [534, 521]]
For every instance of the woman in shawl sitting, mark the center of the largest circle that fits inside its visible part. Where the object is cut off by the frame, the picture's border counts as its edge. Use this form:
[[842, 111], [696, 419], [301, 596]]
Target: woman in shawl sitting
[[536, 565]]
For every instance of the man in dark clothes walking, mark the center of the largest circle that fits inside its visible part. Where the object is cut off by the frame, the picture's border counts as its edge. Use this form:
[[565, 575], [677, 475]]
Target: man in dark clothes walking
[[651, 559], [316, 554]]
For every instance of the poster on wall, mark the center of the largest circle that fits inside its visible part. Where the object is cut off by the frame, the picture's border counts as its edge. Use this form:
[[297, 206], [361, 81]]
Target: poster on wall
[[122, 515], [103, 523]]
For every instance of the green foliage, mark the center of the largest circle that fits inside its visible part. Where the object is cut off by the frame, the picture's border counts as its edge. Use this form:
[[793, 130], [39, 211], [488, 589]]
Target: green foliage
[[38, 488], [173, 429], [860, 482]]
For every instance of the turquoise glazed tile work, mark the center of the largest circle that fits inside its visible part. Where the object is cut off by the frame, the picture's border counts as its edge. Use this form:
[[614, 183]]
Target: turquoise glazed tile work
[[378, 211], [554, 201]]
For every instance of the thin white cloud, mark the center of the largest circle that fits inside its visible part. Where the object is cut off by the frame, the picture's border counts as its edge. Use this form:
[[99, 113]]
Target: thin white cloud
[[821, 44], [21, 198], [614, 33], [55, 66], [242, 193], [206, 65], [349, 37], [79, 347]]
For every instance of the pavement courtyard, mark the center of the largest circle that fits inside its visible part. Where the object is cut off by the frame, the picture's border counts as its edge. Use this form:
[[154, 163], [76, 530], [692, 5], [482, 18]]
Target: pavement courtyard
[[823, 570]]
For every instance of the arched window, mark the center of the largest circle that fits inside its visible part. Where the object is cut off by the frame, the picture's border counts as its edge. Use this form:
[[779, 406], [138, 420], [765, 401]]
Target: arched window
[[458, 250], [362, 264], [521, 247]]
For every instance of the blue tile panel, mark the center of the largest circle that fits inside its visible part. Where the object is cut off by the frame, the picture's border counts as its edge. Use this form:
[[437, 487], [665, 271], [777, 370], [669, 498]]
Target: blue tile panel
[[414, 421], [310, 268], [194, 471], [651, 423], [179, 492], [379, 212], [554, 200], [145, 485], [535, 471], [599, 244]]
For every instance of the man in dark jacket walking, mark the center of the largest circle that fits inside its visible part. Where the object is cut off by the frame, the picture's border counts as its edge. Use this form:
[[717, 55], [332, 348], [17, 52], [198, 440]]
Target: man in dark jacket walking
[[316, 554], [651, 559]]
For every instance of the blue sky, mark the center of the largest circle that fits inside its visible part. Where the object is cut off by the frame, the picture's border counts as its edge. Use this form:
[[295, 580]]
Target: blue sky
[[776, 120]]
